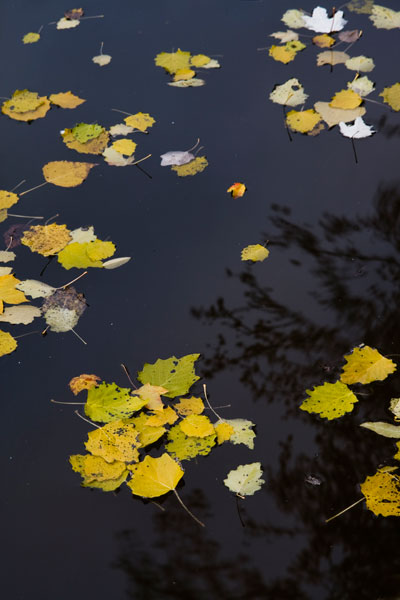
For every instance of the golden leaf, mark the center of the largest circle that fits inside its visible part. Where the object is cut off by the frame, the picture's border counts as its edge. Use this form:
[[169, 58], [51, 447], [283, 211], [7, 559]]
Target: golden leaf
[[189, 406], [66, 173], [184, 74], [46, 239], [282, 54], [83, 382], [19, 106], [87, 254], [197, 426], [224, 432], [66, 100], [147, 435], [152, 395], [118, 440], [162, 417], [333, 116], [124, 146], [31, 38], [155, 476], [8, 293], [173, 61], [324, 40], [346, 99], [237, 190], [191, 168], [96, 472], [255, 252], [365, 365], [140, 121], [7, 199], [331, 57], [390, 95], [302, 121], [7, 343], [330, 400], [94, 146], [184, 447], [382, 493], [199, 60]]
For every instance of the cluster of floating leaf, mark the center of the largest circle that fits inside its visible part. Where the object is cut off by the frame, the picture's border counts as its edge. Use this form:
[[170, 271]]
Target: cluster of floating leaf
[[333, 400], [347, 105], [135, 418], [181, 65]]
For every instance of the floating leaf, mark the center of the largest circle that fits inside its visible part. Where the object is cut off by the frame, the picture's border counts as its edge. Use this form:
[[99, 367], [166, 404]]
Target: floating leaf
[[63, 309], [332, 57], [365, 365], [31, 38], [333, 116], [124, 146], [114, 263], [173, 61], [5, 271], [285, 36], [195, 166], [196, 82], [391, 95], [382, 493], [82, 256], [120, 129], [118, 440], [290, 93], [346, 99], [176, 157], [140, 121], [83, 235], [243, 432], [108, 402], [360, 63], [162, 417], [282, 54], [93, 146], [324, 40], [60, 319], [224, 432], [83, 382], [185, 447], [152, 395], [7, 256], [147, 434], [349, 36], [320, 22], [397, 455], [385, 18], [255, 252], [66, 100], [66, 173], [362, 85], [189, 406], [237, 190], [293, 18], [197, 426], [302, 121], [155, 477], [102, 59], [83, 132], [199, 60], [360, 6], [8, 293], [358, 130], [26, 106], [7, 343], [177, 375], [46, 239], [382, 428], [74, 13], [98, 473], [35, 289], [245, 480], [184, 74], [20, 314], [395, 407], [330, 400], [64, 23]]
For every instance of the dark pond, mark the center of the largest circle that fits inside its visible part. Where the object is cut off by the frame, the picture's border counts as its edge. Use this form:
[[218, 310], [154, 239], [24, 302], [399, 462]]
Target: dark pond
[[266, 332]]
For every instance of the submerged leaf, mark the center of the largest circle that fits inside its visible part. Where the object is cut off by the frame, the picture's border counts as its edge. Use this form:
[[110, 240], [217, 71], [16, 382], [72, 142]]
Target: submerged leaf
[[155, 477], [365, 365], [177, 375], [330, 400], [360, 6], [245, 480], [382, 493]]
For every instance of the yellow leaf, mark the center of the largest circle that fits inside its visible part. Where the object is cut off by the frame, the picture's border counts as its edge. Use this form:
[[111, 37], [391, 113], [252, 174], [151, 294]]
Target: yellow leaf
[[7, 342], [162, 417], [24, 101], [324, 40], [303, 121], [173, 61], [330, 400], [237, 190], [118, 440], [382, 493], [93, 146], [255, 252], [365, 365], [332, 57], [224, 432], [285, 36], [282, 54], [197, 426], [66, 100], [184, 74], [242, 432], [83, 382], [295, 45], [7, 199], [66, 173], [189, 406], [30, 38], [8, 108], [191, 168], [346, 99], [155, 476], [184, 447], [8, 293], [333, 116], [147, 435], [390, 95], [199, 60], [87, 254], [124, 146], [96, 472], [360, 63], [46, 239], [152, 395], [385, 18], [397, 455], [140, 121], [3, 214]]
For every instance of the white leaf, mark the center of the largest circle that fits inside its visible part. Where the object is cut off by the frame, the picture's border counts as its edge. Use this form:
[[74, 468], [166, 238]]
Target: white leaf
[[176, 157], [243, 432], [6, 256], [362, 86], [360, 63], [102, 59], [35, 289], [114, 263], [67, 23], [381, 428], [212, 64], [120, 129], [321, 23], [195, 82], [116, 159], [5, 271], [290, 93], [82, 235], [20, 314], [395, 407], [356, 131], [245, 480], [285, 36], [61, 319]]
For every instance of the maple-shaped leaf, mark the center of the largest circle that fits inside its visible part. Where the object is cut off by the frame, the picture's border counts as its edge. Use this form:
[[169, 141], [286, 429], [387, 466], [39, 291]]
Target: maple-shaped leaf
[[83, 382], [8, 293], [330, 400], [391, 95], [245, 480], [147, 434], [173, 61], [293, 18], [358, 130], [302, 121], [184, 447], [66, 100], [321, 23], [189, 406], [290, 93], [381, 428], [224, 431], [7, 199], [360, 63], [382, 492], [255, 252], [98, 473], [365, 365], [155, 477], [66, 173], [7, 343], [237, 190], [197, 426], [108, 402], [242, 432], [118, 440], [46, 239], [177, 375], [31, 38], [385, 18]]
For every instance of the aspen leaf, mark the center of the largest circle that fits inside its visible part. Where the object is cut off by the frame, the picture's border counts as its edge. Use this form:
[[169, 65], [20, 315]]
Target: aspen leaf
[[192, 168], [35, 289], [108, 402], [66, 100], [102, 59], [177, 375], [88, 254], [7, 256], [74, 13], [385, 18], [83, 132], [93, 146], [184, 74], [124, 146], [3, 214], [360, 6], [98, 473], [31, 38], [197, 426], [155, 477], [140, 121], [302, 121], [365, 365], [24, 101], [360, 63], [362, 85], [330, 400], [20, 314], [390, 95], [173, 61], [46, 239], [189, 406], [282, 54], [381, 428], [7, 343], [382, 493], [321, 23], [162, 417], [64, 23], [323, 41], [242, 432], [245, 480], [61, 319], [147, 434], [184, 447], [397, 455], [116, 441], [8, 293], [63, 309], [346, 99], [199, 60], [176, 157], [255, 252], [331, 57], [7, 199], [66, 173], [358, 130], [83, 382], [285, 36], [293, 18], [290, 93], [333, 116], [237, 190], [224, 432]]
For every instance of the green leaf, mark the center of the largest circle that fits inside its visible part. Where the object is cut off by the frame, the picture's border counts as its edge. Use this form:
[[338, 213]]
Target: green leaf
[[330, 401], [245, 480], [83, 132], [184, 447], [108, 402], [175, 374], [382, 428], [243, 432]]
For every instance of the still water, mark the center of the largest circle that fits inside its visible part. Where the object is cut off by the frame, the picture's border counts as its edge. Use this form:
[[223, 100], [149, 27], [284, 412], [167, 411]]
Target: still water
[[266, 332]]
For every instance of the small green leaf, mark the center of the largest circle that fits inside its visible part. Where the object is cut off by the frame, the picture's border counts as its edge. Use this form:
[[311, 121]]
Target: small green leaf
[[175, 374], [108, 402]]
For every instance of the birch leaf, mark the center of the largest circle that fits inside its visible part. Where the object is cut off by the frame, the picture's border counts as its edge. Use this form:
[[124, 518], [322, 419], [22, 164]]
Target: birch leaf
[[195, 82], [365, 365], [102, 59], [124, 146], [97, 473], [333, 116], [245, 480], [140, 120], [46, 239], [360, 63], [118, 441], [237, 190], [330, 400], [192, 168], [385, 18], [282, 54], [255, 252], [7, 343], [20, 314], [391, 95], [66, 100], [7, 199], [65, 173], [64, 23], [155, 477], [6, 256], [290, 93], [184, 447], [395, 407], [197, 426], [293, 18], [324, 40], [8, 292], [382, 493], [302, 121], [362, 86], [224, 432], [332, 57], [35, 289], [176, 157], [31, 38], [346, 99], [147, 434], [88, 254], [108, 402], [243, 432], [162, 417], [177, 375], [120, 129], [285, 36], [189, 406]]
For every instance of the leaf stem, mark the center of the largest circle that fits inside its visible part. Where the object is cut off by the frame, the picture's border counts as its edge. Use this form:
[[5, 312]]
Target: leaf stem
[[18, 184], [209, 405], [87, 420], [71, 282], [345, 510], [187, 510], [59, 402]]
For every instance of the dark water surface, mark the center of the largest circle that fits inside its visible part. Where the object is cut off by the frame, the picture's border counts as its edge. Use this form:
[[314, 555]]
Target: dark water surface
[[266, 332]]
